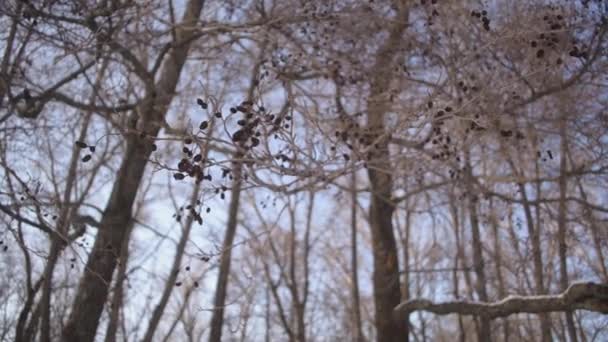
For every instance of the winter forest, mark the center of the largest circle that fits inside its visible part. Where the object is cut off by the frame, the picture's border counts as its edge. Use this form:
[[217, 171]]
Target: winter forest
[[303, 170]]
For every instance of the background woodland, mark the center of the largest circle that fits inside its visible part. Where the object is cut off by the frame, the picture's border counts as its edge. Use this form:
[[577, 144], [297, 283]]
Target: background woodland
[[290, 170]]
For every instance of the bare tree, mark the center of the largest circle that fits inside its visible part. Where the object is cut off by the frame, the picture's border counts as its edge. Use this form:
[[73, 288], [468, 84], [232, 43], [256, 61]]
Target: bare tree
[[144, 145]]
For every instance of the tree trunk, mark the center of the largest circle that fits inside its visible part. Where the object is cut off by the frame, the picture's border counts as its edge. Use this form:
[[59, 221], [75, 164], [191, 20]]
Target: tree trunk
[[561, 227], [58, 242], [356, 319], [217, 320], [545, 321], [93, 289], [537, 261], [177, 261], [484, 333], [462, 336], [387, 291], [21, 329], [117, 297], [5, 77], [405, 289], [595, 233], [498, 264]]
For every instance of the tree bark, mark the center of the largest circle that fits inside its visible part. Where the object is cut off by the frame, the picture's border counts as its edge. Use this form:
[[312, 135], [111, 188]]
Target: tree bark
[[217, 320], [534, 234], [595, 233], [498, 263], [58, 242], [177, 260], [117, 297], [545, 320], [462, 336], [484, 333], [93, 289], [5, 77], [356, 319], [387, 291], [578, 296], [561, 227]]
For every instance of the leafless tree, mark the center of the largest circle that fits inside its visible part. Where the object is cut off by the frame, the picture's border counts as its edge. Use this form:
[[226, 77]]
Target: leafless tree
[[303, 170]]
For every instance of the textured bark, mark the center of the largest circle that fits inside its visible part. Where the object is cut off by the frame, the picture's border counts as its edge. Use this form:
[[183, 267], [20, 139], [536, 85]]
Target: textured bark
[[578, 296], [387, 291], [93, 289]]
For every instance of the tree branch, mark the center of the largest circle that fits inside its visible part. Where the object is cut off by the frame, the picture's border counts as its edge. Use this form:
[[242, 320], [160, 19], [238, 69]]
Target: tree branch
[[41, 226], [578, 296]]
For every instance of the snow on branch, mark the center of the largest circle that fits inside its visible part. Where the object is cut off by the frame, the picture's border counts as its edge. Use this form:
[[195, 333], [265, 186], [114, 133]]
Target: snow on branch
[[578, 296]]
